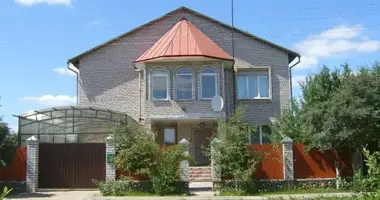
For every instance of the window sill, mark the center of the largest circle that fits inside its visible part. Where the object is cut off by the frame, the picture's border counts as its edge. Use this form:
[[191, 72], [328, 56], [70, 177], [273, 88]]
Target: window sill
[[183, 100], [264, 99], [158, 100]]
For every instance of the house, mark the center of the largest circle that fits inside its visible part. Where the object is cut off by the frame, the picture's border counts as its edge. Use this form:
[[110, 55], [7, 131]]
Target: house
[[164, 73]]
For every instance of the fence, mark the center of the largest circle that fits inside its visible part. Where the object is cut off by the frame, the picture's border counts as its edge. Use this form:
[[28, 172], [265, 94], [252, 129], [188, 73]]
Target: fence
[[315, 164], [307, 165], [271, 166], [17, 170]]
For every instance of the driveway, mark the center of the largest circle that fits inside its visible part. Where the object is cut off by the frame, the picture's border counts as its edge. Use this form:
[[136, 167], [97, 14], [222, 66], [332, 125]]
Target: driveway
[[58, 195]]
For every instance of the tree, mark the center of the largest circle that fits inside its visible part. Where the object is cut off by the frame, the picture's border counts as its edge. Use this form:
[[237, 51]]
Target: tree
[[8, 143], [338, 110], [234, 153]]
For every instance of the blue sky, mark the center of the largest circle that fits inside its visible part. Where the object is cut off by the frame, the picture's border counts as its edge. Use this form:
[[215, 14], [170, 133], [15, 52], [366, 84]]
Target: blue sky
[[38, 36]]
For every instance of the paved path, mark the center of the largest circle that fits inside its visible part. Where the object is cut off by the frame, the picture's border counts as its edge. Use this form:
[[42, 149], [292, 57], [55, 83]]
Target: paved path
[[95, 195]]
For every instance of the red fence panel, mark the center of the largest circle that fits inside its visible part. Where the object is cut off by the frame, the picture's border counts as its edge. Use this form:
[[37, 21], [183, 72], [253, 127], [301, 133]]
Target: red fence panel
[[271, 166], [316, 164], [17, 170]]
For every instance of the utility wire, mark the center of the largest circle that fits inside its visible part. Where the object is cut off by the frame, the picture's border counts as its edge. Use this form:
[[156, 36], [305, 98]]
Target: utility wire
[[295, 32]]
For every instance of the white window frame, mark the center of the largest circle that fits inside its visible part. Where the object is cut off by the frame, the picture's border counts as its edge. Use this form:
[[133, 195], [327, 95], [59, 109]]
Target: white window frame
[[260, 132], [167, 83], [192, 82], [201, 78], [257, 78], [175, 135]]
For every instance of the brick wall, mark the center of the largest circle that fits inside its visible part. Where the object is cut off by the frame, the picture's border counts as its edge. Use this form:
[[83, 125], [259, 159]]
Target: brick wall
[[108, 78]]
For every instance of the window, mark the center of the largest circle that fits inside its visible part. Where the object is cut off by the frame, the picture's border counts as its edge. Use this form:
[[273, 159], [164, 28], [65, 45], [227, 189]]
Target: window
[[169, 136], [251, 87], [261, 135], [160, 84], [208, 83], [184, 84]]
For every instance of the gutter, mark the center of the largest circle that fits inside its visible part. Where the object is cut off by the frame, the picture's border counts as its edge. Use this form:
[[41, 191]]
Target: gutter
[[76, 72], [290, 79]]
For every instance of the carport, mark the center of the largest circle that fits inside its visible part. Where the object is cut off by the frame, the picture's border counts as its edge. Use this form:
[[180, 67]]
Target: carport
[[69, 144]]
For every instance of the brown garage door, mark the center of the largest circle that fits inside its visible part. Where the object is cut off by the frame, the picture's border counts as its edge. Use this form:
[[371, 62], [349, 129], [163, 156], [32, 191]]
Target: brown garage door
[[71, 165]]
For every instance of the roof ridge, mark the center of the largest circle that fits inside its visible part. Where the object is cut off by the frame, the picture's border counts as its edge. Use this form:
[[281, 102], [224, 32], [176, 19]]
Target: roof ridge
[[291, 54]]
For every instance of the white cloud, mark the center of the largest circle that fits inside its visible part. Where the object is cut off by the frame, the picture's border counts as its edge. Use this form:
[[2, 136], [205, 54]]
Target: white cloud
[[64, 71], [296, 80], [334, 42], [52, 100], [50, 2]]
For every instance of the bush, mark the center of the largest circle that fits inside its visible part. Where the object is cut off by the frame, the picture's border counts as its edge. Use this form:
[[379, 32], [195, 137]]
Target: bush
[[371, 182], [138, 152], [234, 153], [123, 187], [135, 149], [166, 175], [5, 192]]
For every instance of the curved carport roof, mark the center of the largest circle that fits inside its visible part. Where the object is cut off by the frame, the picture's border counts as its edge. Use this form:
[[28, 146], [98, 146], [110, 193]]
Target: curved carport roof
[[70, 123]]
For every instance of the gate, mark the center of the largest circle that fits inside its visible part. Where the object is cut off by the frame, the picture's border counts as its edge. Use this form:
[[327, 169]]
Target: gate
[[71, 165]]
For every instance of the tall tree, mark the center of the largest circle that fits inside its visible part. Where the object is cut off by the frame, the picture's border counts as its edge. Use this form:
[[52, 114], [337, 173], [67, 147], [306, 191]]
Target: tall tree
[[7, 144], [338, 110]]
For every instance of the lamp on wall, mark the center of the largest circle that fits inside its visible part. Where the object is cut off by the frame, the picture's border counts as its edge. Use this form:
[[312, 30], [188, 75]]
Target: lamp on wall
[[202, 125]]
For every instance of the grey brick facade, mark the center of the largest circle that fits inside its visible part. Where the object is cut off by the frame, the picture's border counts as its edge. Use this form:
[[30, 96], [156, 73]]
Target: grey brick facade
[[108, 78]]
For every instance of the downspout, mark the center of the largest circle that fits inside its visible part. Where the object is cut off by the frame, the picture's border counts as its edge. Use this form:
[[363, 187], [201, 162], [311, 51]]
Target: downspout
[[233, 57], [140, 91], [76, 72], [140, 104], [290, 79]]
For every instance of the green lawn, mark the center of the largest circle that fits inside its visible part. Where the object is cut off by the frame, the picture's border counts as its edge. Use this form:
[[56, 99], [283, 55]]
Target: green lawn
[[289, 191]]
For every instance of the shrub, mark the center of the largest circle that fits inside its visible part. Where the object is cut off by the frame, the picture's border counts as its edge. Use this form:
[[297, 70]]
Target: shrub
[[125, 187], [135, 149], [234, 153], [372, 181], [137, 152], [5, 192], [165, 174]]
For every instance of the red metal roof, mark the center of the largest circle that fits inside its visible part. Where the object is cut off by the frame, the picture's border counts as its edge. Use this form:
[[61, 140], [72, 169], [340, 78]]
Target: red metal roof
[[184, 40]]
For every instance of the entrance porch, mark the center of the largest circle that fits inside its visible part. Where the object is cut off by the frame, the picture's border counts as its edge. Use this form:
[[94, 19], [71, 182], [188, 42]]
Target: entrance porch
[[198, 133]]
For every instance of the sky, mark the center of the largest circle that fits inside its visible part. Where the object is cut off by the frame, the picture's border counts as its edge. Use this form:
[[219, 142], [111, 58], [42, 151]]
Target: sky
[[37, 37]]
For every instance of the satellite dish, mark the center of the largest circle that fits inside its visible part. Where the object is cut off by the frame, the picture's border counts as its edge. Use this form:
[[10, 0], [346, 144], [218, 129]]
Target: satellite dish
[[217, 103]]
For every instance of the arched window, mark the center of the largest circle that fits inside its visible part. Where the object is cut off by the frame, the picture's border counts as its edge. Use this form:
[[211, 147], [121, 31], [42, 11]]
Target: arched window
[[184, 84], [160, 84], [208, 83]]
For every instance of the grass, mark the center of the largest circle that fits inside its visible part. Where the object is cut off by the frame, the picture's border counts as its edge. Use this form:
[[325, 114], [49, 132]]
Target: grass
[[329, 198], [288, 191]]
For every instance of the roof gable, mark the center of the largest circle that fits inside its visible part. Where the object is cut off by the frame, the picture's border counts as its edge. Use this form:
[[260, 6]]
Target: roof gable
[[291, 54]]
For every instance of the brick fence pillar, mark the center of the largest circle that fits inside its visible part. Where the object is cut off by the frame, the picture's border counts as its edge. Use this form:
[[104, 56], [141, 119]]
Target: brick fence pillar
[[184, 165], [32, 164], [215, 167], [110, 155], [288, 162]]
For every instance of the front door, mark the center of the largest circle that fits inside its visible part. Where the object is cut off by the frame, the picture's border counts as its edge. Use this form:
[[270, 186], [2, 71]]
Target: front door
[[202, 142]]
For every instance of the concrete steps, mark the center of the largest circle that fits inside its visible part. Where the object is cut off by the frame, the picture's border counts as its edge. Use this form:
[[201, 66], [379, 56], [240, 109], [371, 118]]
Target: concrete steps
[[201, 189]]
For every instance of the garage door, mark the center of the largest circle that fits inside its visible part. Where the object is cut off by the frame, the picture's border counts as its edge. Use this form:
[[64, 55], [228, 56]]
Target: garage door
[[71, 165]]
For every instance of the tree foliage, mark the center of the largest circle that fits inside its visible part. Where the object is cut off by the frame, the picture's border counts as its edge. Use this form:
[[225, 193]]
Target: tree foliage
[[138, 152], [8, 143], [234, 153], [338, 110]]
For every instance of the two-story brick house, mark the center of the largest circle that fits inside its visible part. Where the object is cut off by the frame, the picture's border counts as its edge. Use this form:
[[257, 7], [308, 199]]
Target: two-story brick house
[[164, 74]]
